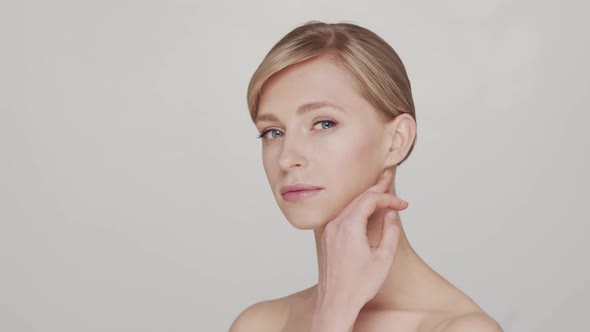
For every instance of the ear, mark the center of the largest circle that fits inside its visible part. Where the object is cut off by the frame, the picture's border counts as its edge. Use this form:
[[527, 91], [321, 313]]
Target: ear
[[401, 132]]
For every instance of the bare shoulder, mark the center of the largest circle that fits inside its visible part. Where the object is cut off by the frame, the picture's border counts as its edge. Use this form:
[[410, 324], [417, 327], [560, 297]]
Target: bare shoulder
[[473, 321], [264, 316]]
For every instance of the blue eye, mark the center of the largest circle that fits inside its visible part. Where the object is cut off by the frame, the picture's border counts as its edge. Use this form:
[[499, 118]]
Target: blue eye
[[274, 133], [326, 122]]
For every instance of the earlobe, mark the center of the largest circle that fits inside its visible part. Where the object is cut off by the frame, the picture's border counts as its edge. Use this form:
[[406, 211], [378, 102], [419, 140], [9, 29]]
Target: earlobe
[[401, 134]]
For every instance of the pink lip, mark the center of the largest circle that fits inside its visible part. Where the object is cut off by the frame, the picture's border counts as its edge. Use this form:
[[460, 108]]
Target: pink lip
[[299, 192]]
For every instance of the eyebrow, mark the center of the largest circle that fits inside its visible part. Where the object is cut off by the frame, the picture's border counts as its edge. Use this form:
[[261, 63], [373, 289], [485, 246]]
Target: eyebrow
[[300, 110]]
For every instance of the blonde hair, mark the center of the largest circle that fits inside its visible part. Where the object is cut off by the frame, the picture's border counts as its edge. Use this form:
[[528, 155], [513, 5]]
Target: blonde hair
[[383, 79]]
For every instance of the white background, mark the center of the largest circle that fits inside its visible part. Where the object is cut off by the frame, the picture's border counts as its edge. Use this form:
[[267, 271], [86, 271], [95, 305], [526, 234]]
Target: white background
[[133, 196]]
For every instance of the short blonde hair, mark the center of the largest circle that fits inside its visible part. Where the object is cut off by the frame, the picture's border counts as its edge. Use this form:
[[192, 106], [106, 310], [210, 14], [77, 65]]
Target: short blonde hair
[[382, 76]]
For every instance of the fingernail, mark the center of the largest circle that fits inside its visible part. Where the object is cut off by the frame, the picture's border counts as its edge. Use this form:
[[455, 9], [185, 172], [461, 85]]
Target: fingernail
[[390, 215]]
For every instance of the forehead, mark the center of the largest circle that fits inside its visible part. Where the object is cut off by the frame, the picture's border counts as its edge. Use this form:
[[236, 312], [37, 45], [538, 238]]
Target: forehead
[[318, 79]]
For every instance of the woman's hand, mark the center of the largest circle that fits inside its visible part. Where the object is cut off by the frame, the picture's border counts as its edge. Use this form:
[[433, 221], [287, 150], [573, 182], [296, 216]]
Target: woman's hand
[[350, 270]]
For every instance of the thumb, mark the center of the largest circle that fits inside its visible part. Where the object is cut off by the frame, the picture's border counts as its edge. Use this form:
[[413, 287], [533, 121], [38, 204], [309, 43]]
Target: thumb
[[389, 236]]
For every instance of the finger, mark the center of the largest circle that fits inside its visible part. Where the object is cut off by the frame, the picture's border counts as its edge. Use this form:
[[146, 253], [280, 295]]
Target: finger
[[389, 237], [371, 201], [383, 185]]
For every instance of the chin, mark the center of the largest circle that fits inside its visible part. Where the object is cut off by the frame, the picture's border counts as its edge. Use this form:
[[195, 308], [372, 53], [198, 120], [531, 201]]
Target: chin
[[307, 217], [310, 214], [304, 224]]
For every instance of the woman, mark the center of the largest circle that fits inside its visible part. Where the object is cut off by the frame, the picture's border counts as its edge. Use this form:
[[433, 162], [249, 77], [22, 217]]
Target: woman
[[334, 109]]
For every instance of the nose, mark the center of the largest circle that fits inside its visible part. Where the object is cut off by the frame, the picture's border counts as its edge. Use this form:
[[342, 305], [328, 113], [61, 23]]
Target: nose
[[292, 153]]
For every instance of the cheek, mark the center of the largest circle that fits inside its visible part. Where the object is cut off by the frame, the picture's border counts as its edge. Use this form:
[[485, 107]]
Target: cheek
[[352, 157], [349, 167], [269, 163]]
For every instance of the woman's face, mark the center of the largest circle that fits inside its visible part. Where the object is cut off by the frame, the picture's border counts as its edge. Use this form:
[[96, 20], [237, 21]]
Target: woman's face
[[340, 148]]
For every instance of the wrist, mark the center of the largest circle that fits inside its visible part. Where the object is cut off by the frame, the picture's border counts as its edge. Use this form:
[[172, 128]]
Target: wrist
[[334, 316]]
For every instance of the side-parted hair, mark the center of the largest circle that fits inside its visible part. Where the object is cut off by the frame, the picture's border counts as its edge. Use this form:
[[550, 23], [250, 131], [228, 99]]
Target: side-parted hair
[[380, 72]]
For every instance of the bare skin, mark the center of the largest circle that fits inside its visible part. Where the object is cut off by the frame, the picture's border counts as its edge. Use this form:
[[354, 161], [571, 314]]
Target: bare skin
[[345, 159], [414, 298]]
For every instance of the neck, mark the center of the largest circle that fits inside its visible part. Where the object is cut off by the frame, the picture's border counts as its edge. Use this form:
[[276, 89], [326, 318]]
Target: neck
[[408, 286]]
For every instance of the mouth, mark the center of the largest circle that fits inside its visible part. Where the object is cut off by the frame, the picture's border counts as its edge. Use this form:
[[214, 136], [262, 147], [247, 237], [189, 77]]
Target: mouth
[[299, 192]]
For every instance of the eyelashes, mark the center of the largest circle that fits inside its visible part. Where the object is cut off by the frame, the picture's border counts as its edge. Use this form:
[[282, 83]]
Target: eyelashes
[[263, 135], [268, 131]]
